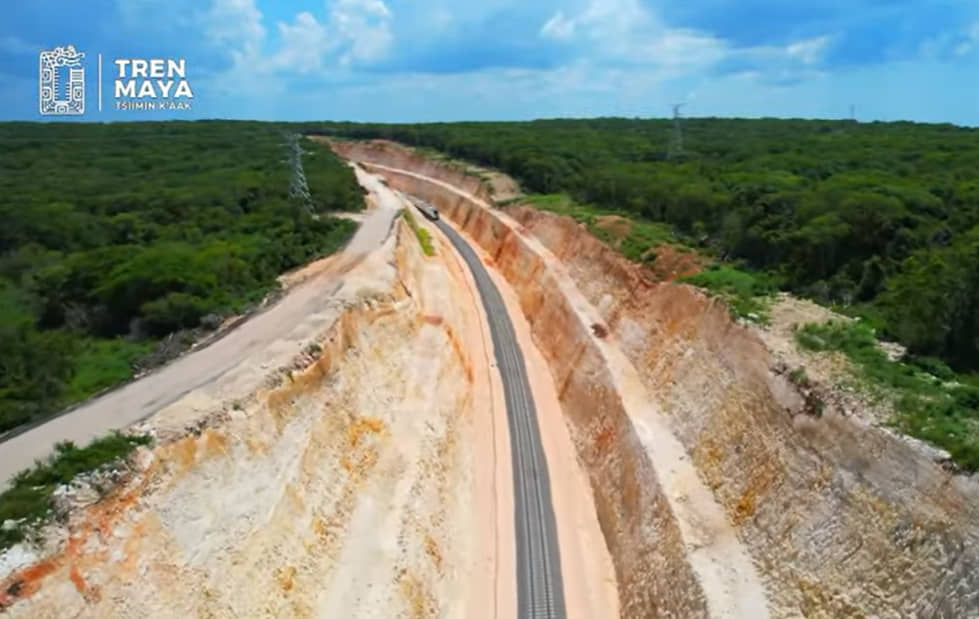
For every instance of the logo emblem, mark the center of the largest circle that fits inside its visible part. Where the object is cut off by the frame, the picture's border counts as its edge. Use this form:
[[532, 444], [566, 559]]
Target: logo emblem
[[62, 82]]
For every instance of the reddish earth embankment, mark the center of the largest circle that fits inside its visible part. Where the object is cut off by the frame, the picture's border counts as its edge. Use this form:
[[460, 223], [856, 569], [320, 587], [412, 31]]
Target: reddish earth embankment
[[716, 493]]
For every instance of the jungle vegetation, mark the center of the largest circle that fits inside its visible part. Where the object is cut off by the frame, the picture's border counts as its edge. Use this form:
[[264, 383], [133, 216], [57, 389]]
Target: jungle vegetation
[[116, 235], [878, 220]]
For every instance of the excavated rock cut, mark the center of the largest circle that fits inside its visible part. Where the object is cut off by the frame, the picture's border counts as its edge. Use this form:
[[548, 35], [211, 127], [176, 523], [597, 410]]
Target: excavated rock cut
[[840, 519], [340, 485]]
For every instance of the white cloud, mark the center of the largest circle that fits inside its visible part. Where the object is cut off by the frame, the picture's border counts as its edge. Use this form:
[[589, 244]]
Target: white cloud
[[958, 43], [971, 41], [627, 31], [353, 32], [604, 19], [236, 24], [809, 51], [682, 49], [558, 27], [601, 20], [364, 26], [304, 44]]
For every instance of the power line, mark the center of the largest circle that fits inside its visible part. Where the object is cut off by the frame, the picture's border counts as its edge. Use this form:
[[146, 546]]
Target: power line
[[298, 188]]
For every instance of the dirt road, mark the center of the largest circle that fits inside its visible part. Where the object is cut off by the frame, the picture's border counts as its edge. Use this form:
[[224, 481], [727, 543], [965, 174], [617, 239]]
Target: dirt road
[[137, 400]]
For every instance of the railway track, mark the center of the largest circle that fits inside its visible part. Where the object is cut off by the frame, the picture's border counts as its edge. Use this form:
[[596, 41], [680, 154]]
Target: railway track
[[540, 591]]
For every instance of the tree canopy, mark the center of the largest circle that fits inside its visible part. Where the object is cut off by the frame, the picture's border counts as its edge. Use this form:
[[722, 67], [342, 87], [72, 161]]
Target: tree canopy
[[116, 235], [880, 218]]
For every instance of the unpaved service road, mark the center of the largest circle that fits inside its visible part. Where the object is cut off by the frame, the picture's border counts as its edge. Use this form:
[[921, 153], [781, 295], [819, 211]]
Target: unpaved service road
[[139, 399]]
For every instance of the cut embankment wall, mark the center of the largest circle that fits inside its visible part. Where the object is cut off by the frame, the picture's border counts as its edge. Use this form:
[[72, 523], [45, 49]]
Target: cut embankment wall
[[840, 519], [338, 486], [654, 577], [844, 519]]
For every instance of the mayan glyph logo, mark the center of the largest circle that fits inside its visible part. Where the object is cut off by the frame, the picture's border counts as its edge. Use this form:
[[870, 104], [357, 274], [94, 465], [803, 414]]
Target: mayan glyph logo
[[62, 78]]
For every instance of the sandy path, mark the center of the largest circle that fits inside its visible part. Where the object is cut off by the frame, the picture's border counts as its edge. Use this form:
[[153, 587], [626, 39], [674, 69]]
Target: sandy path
[[139, 399]]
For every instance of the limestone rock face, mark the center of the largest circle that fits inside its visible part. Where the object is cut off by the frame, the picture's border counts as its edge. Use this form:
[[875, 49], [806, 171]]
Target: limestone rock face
[[838, 518], [329, 477]]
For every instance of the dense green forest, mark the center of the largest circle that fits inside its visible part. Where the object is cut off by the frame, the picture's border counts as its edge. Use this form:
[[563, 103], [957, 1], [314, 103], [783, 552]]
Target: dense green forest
[[116, 235], [879, 218]]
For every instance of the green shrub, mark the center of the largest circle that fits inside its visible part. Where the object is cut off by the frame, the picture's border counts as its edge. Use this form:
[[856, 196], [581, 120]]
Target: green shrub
[[175, 311], [744, 292], [637, 244], [799, 377], [931, 401], [935, 367], [331, 185], [424, 238], [426, 241], [103, 364], [28, 501]]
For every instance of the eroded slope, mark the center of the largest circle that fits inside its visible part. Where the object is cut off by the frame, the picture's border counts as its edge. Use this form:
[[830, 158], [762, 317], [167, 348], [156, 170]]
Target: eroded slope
[[340, 486], [819, 516]]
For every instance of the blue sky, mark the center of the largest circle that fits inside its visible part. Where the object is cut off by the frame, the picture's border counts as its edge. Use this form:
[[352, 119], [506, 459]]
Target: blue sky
[[427, 60]]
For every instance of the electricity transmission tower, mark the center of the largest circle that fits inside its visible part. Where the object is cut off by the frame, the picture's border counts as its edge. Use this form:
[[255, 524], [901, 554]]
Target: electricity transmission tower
[[297, 186], [676, 139]]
